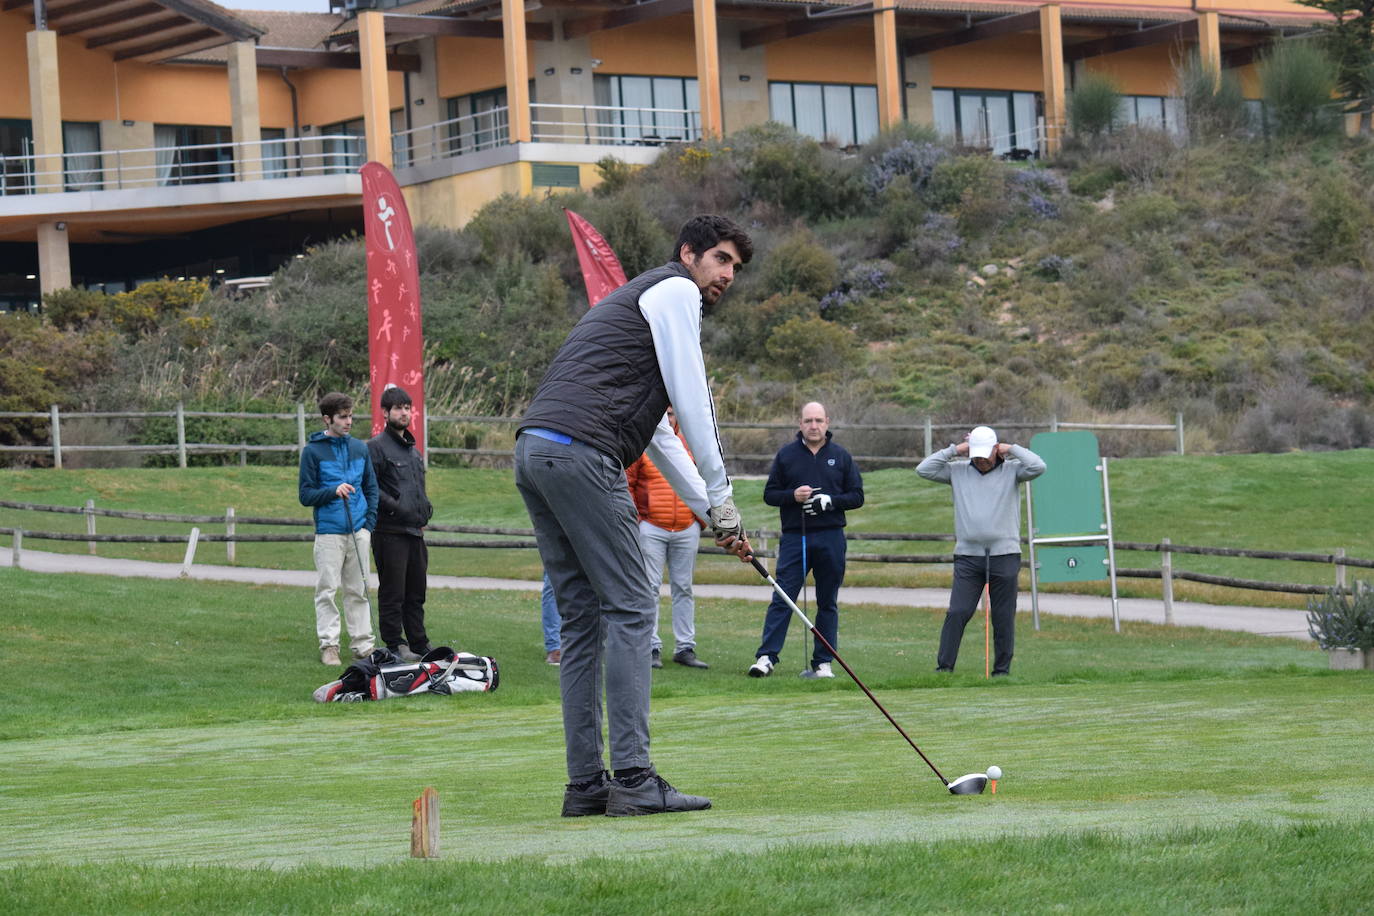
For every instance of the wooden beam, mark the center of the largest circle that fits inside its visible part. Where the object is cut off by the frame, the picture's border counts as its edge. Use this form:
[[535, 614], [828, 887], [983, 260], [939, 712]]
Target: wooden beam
[[156, 29], [403, 24], [170, 44], [1125, 41], [15, 4], [100, 22], [300, 59], [1246, 54], [73, 9], [229, 25], [981, 31], [795, 28], [642, 12]]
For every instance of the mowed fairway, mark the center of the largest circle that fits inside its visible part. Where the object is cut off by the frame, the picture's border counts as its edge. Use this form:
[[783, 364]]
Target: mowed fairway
[[161, 753]]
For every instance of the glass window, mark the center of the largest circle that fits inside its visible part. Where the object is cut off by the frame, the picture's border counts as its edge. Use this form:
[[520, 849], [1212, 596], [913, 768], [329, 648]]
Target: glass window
[[342, 155], [192, 154], [274, 164], [16, 151], [649, 109], [1003, 122], [834, 112], [81, 143]]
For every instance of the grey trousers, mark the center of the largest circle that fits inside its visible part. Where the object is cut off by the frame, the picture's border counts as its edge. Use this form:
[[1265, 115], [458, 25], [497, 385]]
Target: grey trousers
[[588, 535], [679, 550]]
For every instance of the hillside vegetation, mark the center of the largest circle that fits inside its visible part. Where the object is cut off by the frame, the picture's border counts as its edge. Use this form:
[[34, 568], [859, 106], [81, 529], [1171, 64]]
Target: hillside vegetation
[[1128, 279]]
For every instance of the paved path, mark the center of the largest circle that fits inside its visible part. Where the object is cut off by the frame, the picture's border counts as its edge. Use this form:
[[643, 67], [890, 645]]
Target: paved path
[[1264, 621]]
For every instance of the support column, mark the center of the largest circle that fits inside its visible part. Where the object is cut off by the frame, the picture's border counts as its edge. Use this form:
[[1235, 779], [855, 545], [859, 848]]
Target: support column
[[889, 81], [517, 70], [1209, 44], [376, 88], [243, 110], [54, 258], [708, 66], [45, 110], [1052, 59]]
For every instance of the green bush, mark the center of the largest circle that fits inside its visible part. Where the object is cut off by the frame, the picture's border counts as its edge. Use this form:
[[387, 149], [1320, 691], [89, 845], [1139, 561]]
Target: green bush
[[638, 239], [1094, 105], [1148, 212], [1341, 221], [797, 174], [974, 175], [800, 264], [1340, 621], [1214, 103], [511, 226], [803, 348], [615, 176], [1299, 83], [75, 308]]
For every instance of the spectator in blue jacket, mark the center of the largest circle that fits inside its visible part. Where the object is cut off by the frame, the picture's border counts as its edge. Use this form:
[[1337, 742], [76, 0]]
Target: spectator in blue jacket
[[812, 481], [337, 480]]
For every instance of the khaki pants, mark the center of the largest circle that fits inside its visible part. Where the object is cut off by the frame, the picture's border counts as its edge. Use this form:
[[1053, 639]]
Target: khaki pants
[[336, 564]]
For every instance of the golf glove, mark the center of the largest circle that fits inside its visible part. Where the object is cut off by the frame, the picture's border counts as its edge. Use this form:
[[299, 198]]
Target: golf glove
[[818, 503], [725, 520]]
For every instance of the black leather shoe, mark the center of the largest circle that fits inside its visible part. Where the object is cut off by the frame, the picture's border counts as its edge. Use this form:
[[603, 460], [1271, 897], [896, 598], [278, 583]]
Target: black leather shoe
[[584, 799], [650, 794], [656, 661], [689, 658]]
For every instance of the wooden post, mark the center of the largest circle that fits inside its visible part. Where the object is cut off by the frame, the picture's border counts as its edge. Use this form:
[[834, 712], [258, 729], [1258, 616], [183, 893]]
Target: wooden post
[[424, 825], [243, 455], [17, 547], [1340, 569], [90, 525], [1054, 423], [56, 423], [181, 436], [1166, 570], [190, 558], [929, 437], [229, 530], [300, 428], [1178, 428]]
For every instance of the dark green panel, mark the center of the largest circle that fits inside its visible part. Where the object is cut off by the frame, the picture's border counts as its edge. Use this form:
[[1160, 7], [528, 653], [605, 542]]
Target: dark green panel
[[1083, 563], [555, 176], [1067, 498]]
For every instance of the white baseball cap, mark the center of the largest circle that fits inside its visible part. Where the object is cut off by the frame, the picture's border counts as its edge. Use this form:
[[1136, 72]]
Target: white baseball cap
[[981, 442]]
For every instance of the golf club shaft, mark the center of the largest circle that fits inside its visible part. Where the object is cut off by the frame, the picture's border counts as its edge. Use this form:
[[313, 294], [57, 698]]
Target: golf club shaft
[[358, 554], [987, 611], [848, 670]]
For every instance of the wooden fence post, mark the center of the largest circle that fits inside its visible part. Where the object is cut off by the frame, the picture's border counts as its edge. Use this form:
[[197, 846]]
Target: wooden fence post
[[16, 547], [1054, 423], [1166, 569], [1340, 568], [424, 825], [300, 427], [930, 437], [90, 524], [243, 455], [191, 543], [1178, 426], [229, 530], [181, 436], [56, 424]]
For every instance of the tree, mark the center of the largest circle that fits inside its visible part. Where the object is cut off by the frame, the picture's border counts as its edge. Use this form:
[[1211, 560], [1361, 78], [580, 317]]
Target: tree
[[1351, 41]]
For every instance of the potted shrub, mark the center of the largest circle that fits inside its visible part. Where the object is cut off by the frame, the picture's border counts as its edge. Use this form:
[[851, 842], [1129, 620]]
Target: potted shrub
[[1343, 625]]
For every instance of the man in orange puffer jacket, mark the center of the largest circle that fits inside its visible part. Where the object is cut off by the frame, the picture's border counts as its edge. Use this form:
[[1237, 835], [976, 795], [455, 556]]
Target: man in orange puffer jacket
[[668, 531]]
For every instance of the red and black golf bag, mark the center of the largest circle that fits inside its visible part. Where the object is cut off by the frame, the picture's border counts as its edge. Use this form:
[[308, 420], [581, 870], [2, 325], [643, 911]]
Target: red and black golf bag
[[382, 676]]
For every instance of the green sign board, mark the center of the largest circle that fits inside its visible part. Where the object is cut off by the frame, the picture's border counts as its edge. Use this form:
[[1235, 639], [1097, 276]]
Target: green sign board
[[1079, 563], [1067, 498]]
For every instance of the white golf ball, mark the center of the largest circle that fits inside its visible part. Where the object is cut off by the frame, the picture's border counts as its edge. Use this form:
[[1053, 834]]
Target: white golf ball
[[994, 772]]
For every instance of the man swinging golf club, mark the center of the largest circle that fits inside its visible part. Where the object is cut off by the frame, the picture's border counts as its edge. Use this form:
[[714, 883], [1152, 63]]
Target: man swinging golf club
[[600, 405]]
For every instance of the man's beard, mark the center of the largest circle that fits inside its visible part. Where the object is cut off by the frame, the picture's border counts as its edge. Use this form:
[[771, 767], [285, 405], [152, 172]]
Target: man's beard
[[397, 427]]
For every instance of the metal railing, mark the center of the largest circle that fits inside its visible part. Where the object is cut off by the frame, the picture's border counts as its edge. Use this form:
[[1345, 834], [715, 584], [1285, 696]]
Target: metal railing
[[597, 125], [169, 166]]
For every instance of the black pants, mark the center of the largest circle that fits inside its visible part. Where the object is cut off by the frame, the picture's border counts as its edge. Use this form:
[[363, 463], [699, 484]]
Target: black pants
[[969, 577], [402, 564]]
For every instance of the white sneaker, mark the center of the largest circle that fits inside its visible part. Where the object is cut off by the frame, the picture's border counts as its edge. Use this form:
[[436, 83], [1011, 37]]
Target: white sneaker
[[821, 670], [762, 667]]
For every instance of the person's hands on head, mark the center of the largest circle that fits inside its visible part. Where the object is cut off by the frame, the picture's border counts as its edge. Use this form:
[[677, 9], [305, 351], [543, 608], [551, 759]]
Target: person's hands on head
[[962, 448], [802, 493], [344, 490], [1003, 449]]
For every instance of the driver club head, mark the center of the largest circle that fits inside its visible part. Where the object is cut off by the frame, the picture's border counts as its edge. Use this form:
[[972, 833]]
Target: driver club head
[[972, 784]]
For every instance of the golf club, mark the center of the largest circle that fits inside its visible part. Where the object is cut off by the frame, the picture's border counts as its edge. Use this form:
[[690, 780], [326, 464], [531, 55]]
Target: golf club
[[987, 611], [362, 570], [806, 651], [972, 784]]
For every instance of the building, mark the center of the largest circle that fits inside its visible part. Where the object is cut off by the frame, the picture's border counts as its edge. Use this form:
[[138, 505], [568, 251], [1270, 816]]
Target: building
[[148, 137]]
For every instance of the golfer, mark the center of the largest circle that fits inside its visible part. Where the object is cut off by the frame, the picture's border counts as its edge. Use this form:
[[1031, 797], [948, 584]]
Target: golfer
[[336, 478], [813, 482], [987, 528], [599, 407]]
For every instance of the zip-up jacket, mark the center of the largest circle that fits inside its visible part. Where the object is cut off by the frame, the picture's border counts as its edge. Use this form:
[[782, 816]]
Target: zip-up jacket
[[328, 461], [402, 504], [830, 470], [654, 498], [987, 513]]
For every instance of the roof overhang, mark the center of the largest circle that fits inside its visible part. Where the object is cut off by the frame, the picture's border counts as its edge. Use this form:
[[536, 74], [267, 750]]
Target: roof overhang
[[143, 30]]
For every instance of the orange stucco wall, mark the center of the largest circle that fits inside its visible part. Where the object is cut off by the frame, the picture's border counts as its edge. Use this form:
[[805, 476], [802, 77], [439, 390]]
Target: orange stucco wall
[[661, 47], [1139, 71], [840, 55], [330, 96], [1008, 62], [14, 66], [467, 65]]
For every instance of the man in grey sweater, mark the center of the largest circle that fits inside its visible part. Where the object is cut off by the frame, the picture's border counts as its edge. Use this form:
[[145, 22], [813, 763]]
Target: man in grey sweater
[[987, 528]]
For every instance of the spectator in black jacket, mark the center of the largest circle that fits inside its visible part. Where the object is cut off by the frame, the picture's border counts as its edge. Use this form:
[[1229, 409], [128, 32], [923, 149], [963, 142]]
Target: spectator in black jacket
[[813, 481], [398, 544]]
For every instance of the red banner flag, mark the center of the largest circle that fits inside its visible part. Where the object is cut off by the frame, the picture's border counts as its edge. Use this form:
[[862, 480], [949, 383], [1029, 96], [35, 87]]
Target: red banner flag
[[395, 343], [601, 269]]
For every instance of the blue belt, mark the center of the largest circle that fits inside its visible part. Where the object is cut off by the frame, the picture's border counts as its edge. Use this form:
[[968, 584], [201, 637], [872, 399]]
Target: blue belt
[[552, 436]]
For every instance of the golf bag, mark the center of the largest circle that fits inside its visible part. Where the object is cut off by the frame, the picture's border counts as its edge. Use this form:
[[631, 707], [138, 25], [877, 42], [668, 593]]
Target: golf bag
[[382, 676]]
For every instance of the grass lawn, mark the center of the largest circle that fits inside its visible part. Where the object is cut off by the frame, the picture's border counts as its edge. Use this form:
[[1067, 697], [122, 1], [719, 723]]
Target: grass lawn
[[1307, 502], [162, 754]]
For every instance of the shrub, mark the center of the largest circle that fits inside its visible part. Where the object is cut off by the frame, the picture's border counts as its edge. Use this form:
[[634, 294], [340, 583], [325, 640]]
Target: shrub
[[802, 348], [634, 234], [512, 225], [1299, 84], [795, 173], [800, 264], [1094, 105], [915, 161], [1213, 102], [75, 308], [615, 176], [1340, 621], [1340, 221], [1149, 212]]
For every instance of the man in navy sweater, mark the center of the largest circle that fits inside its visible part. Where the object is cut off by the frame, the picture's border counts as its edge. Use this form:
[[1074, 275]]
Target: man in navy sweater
[[812, 481]]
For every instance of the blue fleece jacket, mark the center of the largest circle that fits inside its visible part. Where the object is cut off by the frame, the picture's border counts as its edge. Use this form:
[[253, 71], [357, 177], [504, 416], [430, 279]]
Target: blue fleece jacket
[[831, 470], [328, 461]]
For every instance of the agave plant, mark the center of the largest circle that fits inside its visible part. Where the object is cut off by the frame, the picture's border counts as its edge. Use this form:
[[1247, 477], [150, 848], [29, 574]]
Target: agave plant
[[1339, 620]]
